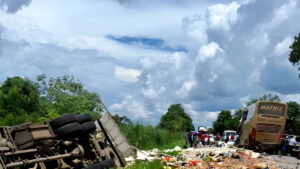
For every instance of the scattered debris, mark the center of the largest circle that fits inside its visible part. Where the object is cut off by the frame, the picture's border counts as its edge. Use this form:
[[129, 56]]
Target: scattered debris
[[210, 157]]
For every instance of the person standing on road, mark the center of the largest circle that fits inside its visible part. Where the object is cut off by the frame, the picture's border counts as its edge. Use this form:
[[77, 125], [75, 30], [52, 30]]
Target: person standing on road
[[186, 139], [284, 145], [203, 139], [218, 137], [226, 138], [195, 140], [292, 144], [191, 140], [299, 152], [232, 137]]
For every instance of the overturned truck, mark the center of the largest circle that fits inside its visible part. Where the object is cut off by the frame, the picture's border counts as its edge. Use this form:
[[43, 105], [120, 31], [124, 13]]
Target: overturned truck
[[67, 141]]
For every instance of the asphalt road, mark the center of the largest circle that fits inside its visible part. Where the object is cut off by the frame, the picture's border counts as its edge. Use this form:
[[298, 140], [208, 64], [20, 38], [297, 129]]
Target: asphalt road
[[285, 162]]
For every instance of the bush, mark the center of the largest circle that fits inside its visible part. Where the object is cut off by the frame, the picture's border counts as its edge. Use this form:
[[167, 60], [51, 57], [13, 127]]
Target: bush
[[147, 165], [148, 137]]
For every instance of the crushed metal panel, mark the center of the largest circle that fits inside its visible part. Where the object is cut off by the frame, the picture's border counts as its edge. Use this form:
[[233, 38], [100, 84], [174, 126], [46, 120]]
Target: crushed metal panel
[[116, 135]]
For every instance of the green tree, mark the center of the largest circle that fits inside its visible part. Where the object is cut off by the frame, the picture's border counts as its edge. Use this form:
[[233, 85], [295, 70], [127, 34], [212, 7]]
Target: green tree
[[122, 120], [264, 97], [66, 95], [236, 118], [293, 110], [19, 101], [295, 52], [176, 119], [223, 122]]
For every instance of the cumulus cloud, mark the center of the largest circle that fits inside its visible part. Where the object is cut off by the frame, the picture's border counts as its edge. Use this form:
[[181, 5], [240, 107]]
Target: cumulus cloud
[[127, 75], [208, 51], [131, 108], [283, 47], [221, 16]]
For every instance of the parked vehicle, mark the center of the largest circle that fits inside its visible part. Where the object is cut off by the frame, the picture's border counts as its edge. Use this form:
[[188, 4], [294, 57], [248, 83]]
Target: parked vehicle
[[201, 128], [230, 134], [67, 141], [210, 139]]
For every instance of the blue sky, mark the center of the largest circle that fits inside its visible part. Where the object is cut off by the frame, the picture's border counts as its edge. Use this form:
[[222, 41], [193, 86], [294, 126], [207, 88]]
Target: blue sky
[[142, 56]]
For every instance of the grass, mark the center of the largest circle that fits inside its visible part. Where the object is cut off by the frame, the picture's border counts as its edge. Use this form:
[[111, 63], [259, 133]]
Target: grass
[[148, 137], [155, 164], [172, 153]]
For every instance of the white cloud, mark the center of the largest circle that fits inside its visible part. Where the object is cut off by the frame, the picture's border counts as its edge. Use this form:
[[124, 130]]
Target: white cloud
[[127, 75], [212, 115], [283, 13], [185, 88], [244, 100], [283, 46], [259, 42], [131, 108], [208, 51], [150, 93], [290, 97], [222, 16]]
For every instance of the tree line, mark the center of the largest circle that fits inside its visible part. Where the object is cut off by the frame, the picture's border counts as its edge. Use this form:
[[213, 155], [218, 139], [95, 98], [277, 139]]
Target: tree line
[[23, 100]]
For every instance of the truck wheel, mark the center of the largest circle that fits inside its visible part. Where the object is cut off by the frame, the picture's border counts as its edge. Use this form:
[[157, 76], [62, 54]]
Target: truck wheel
[[62, 120], [68, 130], [106, 164], [88, 127], [110, 154], [82, 118]]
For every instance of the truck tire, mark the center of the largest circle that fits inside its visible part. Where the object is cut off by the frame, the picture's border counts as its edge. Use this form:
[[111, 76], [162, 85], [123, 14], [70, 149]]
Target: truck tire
[[87, 128], [110, 154], [62, 120], [68, 130], [106, 164], [82, 118]]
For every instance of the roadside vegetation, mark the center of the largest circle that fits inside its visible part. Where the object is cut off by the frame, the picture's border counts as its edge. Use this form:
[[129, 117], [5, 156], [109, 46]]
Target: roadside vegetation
[[149, 137], [147, 165]]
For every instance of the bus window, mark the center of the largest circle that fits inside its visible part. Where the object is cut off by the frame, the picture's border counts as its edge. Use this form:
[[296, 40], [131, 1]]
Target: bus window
[[251, 110]]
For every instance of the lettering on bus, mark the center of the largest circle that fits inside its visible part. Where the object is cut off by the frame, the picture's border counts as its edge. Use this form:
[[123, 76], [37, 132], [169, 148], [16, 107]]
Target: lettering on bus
[[272, 108], [268, 108]]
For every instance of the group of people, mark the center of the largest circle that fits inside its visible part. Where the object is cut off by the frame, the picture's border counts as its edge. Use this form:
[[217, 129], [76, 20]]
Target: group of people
[[194, 139], [288, 144], [199, 139]]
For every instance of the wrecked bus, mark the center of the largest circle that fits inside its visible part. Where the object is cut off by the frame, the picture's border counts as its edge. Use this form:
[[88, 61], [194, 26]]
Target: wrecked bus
[[262, 125]]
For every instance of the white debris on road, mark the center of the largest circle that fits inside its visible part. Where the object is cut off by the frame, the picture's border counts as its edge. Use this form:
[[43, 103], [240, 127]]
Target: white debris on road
[[209, 157]]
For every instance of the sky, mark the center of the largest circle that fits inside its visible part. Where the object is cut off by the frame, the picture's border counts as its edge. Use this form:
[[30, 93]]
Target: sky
[[142, 56]]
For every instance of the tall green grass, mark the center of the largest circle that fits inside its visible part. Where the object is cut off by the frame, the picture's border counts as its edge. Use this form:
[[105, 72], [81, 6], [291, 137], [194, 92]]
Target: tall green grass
[[148, 137], [155, 164]]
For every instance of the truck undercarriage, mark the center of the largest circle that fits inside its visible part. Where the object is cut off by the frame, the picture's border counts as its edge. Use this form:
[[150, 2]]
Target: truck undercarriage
[[68, 141]]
